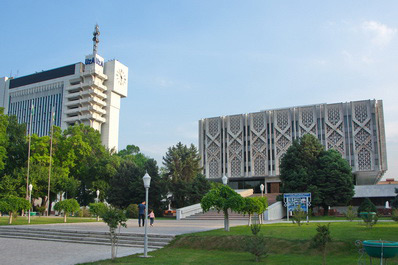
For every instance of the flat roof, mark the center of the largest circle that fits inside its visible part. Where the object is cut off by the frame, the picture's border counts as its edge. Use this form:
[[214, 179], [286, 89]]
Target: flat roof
[[42, 76], [364, 191]]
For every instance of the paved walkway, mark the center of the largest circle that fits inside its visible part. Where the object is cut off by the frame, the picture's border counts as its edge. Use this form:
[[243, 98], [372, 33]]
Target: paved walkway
[[23, 251]]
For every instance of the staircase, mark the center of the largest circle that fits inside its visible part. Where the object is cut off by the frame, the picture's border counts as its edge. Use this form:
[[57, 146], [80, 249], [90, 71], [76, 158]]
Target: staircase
[[270, 196], [85, 237]]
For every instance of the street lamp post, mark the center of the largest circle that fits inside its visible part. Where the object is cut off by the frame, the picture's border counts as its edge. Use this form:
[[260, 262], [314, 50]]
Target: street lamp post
[[30, 201], [262, 189], [224, 180], [98, 192], [147, 183]]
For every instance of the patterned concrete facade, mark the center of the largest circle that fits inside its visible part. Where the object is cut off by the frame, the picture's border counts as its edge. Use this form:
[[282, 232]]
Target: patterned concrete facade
[[250, 146]]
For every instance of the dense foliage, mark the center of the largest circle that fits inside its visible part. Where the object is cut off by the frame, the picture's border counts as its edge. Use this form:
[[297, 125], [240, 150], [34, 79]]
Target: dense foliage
[[81, 165], [12, 204], [222, 198], [114, 218], [307, 167], [367, 206], [67, 206], [182, 175]]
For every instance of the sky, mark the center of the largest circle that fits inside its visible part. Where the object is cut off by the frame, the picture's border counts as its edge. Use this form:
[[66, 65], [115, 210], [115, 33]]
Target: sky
[[191, 59]]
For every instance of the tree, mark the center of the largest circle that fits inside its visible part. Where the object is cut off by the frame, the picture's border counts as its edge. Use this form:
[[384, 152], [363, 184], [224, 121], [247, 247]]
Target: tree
[[113, 218], [298, 166], [251, 206], [394, 203], [256, 244], [321, 239], [12, 204], [334, 180], [182, 175], [68, 206], [126, 186], [367, 206], [17, 147], [263, 207], [222, 198], [97, 209], [307, 167], [81, 151], [3, 138]]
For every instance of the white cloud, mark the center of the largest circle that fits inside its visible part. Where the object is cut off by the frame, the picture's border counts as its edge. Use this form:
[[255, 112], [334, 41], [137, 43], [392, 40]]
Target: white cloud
[[380, 34]]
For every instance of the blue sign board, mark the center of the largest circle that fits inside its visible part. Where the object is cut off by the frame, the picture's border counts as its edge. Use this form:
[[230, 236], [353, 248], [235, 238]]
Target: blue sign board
[[294, 200], [94, 60]]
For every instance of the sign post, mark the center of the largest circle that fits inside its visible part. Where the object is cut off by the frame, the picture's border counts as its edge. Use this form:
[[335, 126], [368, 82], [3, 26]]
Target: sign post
[[293, 200]]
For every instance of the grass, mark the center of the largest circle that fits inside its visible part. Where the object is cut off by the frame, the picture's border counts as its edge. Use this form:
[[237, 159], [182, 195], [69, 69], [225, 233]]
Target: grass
[[288, 244], [36, 220]]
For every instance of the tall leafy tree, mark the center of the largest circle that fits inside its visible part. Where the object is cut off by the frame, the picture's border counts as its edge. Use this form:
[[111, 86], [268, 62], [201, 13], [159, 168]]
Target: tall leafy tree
[[334, 180], [88, 161], [3, 138], [126, 186], [307, 167], [17, 146], [182, 174], [223, 198], [298, 167]]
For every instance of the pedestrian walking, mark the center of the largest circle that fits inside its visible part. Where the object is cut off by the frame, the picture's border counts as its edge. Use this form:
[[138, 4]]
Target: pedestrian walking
[[151, 216], [141, 214]]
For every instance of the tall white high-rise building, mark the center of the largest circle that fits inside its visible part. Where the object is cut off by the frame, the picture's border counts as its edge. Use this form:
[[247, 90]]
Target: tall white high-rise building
[[87, 93]]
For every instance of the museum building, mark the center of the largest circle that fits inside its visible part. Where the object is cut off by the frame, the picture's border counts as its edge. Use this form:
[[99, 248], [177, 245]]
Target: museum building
[[247, 148], [87, 93]]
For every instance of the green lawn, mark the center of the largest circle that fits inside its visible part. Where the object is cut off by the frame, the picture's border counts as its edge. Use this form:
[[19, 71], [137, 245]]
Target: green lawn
[[287, 244], [36, 220]]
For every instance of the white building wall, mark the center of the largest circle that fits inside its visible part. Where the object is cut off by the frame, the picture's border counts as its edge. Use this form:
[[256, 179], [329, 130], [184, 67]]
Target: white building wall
[[89, 95]]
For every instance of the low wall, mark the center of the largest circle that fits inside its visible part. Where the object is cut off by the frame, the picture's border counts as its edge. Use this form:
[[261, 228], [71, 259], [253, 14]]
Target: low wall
[[275, 211]]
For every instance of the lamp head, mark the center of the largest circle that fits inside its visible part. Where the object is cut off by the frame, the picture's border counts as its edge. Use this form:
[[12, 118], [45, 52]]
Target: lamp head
[[262, 187], [225, 180], [30, 187], [147, 180], [98, 192]]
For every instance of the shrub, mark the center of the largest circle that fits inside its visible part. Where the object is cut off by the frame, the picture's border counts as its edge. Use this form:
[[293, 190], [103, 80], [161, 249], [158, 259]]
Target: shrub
[[41, 209], [12, 204], [68, 206], [97, 209], [369, 219], [394, 203], [255, 228], [321, 239], [350, 214], [132, 211], [367, 206], [394, 215], [256, 245], [83, 212], [298, 215], [114, 218]]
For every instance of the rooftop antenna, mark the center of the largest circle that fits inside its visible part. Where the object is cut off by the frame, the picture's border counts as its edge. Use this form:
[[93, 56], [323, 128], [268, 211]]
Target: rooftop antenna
[[96, 33]]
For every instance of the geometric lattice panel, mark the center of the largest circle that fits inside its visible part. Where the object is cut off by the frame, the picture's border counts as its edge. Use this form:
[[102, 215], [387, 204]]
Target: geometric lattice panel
[[213, 147], [334, 128], [307, 121], [362, 136], [259, 145], [282, 134], [234, 128]]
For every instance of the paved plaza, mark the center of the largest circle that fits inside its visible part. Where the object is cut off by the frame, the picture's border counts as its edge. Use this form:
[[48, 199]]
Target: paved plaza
[[23, 251]]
